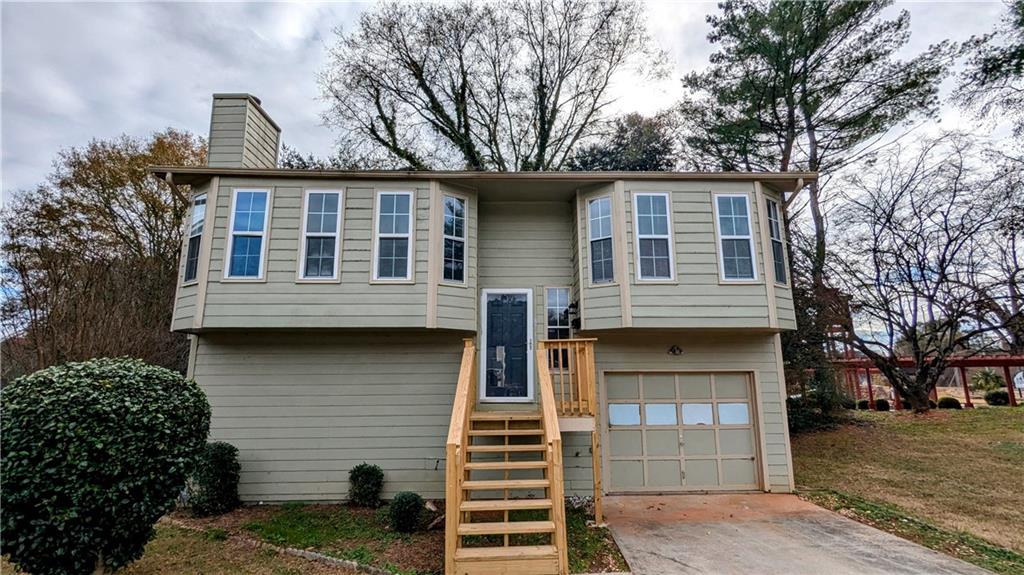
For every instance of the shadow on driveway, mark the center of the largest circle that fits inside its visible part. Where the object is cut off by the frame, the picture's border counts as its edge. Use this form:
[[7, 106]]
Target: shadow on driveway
[[760, 533]]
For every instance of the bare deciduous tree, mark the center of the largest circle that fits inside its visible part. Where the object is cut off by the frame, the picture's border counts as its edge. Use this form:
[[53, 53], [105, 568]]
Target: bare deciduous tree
[[906, 256], [510, 85]]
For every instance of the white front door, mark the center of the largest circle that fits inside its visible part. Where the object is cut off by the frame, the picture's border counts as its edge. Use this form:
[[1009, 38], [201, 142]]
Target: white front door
[[506, 364]]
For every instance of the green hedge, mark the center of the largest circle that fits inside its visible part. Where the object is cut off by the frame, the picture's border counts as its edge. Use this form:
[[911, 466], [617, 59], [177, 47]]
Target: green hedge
[[94, 453], [213, 488]]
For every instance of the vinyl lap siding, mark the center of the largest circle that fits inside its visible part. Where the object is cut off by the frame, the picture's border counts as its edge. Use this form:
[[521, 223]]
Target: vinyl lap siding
[[303, 409], [227, 132], [282, 302], [261, 141], [456, 305], [601, 305]]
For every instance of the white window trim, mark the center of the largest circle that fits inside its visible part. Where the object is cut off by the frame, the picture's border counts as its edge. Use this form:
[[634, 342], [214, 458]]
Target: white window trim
[[670, 237], [190, 235], [482, 368], [306, 234], [265, 234], [781, 239], [590, 241], [547, 306], [410, 235], [719, 238], [464, 239]]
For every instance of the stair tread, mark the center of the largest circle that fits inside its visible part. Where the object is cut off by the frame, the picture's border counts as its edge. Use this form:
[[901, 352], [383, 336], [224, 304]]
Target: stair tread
[[505, 416], [503, 504], [503, 527], [506, 484], [513, 552], [503, 448], [503, 432], [506, 465]]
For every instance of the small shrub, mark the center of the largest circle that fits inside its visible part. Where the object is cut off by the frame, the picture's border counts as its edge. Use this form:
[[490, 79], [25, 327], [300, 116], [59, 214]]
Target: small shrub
[[863, 404], [848, 403], [949, 403], [213, 488], [365, 484], [882, 405], [93, 454], [404, 512], [804, 416], [997, 397], [986, 380]]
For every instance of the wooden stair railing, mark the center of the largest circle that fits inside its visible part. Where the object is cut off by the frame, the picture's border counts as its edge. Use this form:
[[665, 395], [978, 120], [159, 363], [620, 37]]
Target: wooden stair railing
[[553, 437], [456, 453], [570, 364]]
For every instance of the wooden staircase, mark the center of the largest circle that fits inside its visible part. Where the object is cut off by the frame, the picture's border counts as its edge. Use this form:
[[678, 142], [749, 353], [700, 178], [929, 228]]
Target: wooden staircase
[[504, 505]]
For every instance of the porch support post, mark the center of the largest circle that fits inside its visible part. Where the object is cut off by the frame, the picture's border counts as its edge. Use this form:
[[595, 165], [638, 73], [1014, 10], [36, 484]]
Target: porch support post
[[967, 390], [871, 389], [1009, 386]]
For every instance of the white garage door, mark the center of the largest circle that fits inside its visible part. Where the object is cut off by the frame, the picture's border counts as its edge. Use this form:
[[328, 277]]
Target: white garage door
[[680, 432]]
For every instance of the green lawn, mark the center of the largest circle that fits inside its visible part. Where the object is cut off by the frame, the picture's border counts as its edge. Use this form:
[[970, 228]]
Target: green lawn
[[953, 480]]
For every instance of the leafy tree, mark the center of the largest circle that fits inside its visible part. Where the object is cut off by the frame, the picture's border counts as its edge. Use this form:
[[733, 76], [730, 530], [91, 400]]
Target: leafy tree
[[806, 85], [993, 81], [292, 159], [92, 256], [986, 380], [636, 144], [508, 85]]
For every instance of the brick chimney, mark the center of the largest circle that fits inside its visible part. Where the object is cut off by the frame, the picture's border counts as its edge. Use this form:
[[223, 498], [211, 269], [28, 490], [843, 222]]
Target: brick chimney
[[242, 134]]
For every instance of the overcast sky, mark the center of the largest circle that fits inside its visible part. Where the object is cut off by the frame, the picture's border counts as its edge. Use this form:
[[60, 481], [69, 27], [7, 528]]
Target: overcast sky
[[73, 72]]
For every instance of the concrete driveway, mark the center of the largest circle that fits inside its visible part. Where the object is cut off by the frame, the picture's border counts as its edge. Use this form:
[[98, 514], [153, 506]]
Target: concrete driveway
[[759, 534]]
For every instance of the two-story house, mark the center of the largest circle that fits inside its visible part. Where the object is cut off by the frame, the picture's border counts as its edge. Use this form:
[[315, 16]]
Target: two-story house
[[495, 339]]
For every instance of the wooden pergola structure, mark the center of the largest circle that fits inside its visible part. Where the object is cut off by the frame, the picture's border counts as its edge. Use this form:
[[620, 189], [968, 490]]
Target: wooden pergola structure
[[852, 367]]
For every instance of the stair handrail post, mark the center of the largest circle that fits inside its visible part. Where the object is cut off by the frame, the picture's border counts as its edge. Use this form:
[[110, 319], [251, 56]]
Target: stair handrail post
[[455, 452], [553, 439]]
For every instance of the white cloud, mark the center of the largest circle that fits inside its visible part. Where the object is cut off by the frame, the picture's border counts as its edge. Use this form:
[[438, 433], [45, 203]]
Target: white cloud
[[72, 72]]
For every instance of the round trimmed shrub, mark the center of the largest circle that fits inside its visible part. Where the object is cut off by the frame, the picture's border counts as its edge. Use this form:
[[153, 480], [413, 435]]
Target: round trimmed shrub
[[848, 403], [997, 397], [213, 488], [365, 484], [94, 453], [949, 403], [404, 512], [882, 405], [863, 404]]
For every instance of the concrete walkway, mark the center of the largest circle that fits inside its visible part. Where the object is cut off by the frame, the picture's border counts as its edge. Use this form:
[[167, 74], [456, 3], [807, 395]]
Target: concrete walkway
[[759, 534]]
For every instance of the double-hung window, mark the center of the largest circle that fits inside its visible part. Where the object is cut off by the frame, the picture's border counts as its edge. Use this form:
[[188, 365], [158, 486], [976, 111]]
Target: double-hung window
[[248, 230], [735, 237], [322, 220], [775, 233], [654, 237], [557, 304], [454, 239], [393, 236], [195, 237], [599, 215]]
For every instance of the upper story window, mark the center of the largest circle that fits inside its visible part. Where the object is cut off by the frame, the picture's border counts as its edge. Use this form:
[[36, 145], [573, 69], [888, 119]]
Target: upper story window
[[557, 304], [735, 238], [322, 220], [654, 237], [195, 237], [393, 236], [248, 230], [599, 215], [454, 239], [775, 233]]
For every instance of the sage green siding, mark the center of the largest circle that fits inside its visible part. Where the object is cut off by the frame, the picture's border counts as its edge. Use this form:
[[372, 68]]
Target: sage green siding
[[304, 408], [283, 302], [601, 304], [526, 245], [646, 351], [456, 304], [186, 295], [241, 134]]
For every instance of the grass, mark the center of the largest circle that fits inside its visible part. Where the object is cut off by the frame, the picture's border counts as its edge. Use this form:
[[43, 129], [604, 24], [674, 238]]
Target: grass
[[950, 478], [175, 550]]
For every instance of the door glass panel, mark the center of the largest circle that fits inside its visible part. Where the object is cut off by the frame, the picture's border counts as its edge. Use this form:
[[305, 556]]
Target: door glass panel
[[624, 414], [733, 414], [660, 413], [506, 354], [697, 414]]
